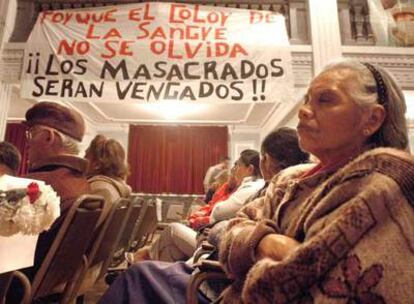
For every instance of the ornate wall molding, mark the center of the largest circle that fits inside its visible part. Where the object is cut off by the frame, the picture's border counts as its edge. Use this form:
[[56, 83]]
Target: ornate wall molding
[[302, 64], [399, 61], [5, 93], [11, 60]]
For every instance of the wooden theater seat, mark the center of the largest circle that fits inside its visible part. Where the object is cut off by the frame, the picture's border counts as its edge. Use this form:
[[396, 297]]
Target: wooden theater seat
[[65, 256], [102, 248]]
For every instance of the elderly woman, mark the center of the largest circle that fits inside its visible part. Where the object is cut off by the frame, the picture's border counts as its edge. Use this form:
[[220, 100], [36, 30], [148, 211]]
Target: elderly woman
[[341, 232]]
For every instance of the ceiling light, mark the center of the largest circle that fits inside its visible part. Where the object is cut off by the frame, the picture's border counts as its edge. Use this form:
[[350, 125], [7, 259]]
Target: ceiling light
[[172, 110]]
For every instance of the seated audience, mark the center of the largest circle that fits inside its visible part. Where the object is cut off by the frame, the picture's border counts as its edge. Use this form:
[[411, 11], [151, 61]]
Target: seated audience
[[178, 241], [107, 171], [341, 231], [9, 159], [330, 232], [279, 150]]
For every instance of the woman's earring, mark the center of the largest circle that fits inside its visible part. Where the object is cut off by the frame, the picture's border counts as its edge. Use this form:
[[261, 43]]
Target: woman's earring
[[366, 132]]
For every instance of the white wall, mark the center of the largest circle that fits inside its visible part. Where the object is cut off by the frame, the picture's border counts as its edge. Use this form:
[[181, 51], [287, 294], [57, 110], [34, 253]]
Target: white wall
[[241, 138]]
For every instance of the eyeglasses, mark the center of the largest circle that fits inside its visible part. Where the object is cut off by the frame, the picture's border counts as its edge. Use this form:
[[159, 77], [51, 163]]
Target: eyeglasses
[[31, 132]]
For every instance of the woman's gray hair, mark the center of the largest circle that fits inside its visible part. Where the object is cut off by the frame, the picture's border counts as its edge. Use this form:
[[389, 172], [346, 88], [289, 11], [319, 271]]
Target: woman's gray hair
[[393, 132]]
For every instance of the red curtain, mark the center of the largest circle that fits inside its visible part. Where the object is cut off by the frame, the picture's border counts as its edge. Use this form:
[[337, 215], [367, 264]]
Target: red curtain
[[16, 134], [173, 159]]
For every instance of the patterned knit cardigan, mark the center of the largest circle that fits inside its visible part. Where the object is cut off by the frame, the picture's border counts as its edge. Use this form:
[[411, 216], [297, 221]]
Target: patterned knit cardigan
[[356, 229]]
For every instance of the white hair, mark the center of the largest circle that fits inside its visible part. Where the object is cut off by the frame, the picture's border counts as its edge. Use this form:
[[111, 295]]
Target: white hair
[[69, 144]]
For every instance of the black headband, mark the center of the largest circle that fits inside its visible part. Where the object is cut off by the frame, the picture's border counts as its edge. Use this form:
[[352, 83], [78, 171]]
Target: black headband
[[379, 81]]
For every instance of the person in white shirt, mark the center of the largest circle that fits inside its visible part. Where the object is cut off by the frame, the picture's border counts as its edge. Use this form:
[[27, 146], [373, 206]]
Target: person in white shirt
[[248, 172]]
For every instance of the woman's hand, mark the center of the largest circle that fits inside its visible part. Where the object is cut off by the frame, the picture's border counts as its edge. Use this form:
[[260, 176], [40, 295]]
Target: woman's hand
[[276, 247]]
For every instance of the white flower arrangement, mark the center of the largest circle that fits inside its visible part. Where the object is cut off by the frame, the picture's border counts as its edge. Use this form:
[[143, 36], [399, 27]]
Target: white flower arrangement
[[28, 210]]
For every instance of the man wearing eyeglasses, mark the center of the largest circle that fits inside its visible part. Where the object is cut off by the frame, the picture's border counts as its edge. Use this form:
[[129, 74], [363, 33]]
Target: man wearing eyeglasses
[[54, 135]]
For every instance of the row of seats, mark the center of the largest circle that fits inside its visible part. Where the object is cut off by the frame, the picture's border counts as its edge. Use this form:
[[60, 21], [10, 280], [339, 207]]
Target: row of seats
[[81, 254]]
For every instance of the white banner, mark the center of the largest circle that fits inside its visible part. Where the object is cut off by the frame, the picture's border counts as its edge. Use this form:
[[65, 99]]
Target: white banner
[[158, 51]]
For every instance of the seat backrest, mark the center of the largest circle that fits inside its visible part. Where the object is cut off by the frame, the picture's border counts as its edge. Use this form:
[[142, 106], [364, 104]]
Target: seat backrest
[[102, 247], [137, 204], [5, 280], [66, 252], [146, 226], [110, 233], [136, 231]]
